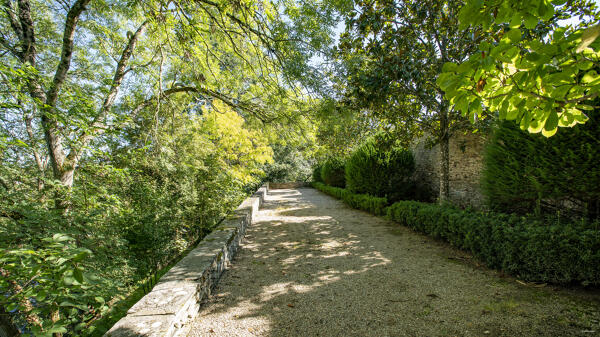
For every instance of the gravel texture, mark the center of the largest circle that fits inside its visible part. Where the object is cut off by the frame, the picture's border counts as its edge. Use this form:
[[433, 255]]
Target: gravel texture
[[311, 266]]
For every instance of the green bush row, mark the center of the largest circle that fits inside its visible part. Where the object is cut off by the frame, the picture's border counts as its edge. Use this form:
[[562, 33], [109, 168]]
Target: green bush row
[[527, 248], [531, 249], [363, 202]]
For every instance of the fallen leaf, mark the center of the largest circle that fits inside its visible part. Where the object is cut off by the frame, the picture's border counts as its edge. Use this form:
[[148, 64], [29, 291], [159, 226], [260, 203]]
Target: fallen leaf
[[290, 305]]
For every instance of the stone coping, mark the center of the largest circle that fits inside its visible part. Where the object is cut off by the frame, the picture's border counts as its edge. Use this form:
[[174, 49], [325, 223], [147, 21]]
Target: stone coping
[[175, 299]]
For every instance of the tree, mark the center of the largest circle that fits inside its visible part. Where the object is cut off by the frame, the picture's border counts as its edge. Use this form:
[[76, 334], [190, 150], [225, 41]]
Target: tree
[[104, 77], [393, 53], [528, 68]]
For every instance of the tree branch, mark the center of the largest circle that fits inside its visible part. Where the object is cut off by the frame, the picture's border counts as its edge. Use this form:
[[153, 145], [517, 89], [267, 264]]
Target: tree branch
[[97, 126], [67, 51]]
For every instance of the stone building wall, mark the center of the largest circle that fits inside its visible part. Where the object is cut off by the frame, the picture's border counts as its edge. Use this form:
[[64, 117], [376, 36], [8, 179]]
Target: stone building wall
[[466, 163]]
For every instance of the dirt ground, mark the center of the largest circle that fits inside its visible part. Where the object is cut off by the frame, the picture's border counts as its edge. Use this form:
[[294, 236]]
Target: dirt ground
[[311, 266]]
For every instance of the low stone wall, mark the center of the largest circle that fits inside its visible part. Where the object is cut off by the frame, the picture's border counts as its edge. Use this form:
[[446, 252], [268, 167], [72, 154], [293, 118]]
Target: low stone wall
[[276, 186], [175, 299]]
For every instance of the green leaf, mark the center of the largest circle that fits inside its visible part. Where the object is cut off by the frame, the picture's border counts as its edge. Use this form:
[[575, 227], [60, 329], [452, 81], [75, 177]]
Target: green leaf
[[449, 67], [530, 21], [12, 306], [590, 77], [551, 125], [514, 35], [78, 275]]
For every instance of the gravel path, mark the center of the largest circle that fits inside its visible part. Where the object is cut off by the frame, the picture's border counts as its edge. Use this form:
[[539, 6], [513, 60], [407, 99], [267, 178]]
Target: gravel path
[[311, 266]]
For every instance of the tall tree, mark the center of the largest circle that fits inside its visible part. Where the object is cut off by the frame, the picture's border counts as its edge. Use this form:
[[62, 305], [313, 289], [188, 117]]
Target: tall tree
[[118, 58], [393, 52]]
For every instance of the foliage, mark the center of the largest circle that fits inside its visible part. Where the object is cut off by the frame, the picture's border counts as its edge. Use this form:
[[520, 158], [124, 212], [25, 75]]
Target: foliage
[[48, 284], [526, 173], [368, 203], [289, 164], [380, 170], [155, 190], [533, 250], [528, 68], [333, 172], [393, 53]]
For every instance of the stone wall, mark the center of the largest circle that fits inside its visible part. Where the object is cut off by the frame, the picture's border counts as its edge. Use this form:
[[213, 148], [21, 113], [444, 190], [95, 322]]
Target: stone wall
[[466, 163], [175, 299]]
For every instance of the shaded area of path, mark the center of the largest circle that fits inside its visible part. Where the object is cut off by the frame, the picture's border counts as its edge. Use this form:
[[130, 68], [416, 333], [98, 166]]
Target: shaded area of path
[[311, 266]]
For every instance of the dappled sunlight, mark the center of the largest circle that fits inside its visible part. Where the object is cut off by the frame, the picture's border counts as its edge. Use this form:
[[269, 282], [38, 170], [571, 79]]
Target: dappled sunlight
[[311, 266]]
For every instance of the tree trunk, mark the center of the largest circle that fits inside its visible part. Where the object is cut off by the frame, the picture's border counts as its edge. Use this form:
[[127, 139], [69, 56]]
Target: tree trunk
[[444, 139]]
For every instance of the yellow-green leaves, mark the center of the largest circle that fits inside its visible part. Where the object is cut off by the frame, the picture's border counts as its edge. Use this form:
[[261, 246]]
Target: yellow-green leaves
[[542, 79]]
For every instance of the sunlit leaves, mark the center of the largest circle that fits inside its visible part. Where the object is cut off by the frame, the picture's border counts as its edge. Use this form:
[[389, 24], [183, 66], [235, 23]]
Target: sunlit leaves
[[541, 76]]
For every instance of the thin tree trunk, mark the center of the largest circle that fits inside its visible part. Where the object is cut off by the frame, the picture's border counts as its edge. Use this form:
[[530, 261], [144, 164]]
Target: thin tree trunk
[[444, 139]]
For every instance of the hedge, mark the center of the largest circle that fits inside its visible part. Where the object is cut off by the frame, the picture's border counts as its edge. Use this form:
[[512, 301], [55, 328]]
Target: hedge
[[333, 172], [379, 170], [527, 248], [528, 173], [363, 202]]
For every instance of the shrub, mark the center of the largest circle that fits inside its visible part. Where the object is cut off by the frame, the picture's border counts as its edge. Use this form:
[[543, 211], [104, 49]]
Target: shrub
[[379, 170], [316, 174], [332, 172], [528, 248], [363, 202], [527, 173]]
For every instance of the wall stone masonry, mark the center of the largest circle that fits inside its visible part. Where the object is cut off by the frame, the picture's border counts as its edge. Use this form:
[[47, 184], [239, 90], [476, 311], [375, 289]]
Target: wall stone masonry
[[466, 164], [175, 300]]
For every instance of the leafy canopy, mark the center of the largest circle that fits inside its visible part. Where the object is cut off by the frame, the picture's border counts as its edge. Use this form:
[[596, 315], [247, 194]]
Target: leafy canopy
[[527, 67]]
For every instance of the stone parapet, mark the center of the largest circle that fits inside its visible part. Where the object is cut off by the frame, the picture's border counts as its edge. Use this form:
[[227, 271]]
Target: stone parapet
[[175, 300]]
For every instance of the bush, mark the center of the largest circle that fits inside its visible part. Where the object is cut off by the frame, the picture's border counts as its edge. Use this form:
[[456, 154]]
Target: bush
[[316, 174], [382, 171], [527, 173], [332, 172], [528, 248], [363, 202]]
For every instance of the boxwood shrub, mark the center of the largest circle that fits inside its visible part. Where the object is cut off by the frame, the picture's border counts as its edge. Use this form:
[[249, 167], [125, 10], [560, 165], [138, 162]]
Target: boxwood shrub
[[530, 249], [363, 202]]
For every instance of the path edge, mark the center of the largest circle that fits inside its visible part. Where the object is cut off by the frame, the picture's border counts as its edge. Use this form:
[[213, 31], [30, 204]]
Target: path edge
[[175, 300]]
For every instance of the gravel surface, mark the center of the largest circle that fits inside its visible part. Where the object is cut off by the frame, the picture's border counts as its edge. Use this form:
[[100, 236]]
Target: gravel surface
[[311, 266]]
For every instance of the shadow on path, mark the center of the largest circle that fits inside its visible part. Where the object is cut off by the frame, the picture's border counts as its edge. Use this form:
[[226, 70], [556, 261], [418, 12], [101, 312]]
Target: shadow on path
[[311, 266]]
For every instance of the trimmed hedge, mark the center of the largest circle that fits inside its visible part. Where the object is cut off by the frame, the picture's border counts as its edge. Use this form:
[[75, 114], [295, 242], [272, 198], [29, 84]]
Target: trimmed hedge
[[380, 170], [333, 172], [524, 247], [528, 173], [363, 202]]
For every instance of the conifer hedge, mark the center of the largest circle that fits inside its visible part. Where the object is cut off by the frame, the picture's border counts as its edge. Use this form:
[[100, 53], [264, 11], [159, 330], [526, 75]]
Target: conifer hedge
[[528, 173], [380, 171]]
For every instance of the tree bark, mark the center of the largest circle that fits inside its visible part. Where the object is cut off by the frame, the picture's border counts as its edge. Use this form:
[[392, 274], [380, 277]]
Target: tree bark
[[444, 139]]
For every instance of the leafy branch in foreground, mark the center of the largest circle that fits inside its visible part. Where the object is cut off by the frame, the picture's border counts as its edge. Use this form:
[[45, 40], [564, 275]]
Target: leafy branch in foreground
[[528, 68]]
